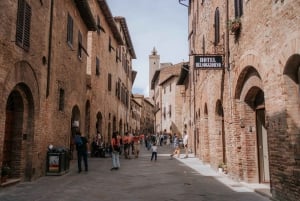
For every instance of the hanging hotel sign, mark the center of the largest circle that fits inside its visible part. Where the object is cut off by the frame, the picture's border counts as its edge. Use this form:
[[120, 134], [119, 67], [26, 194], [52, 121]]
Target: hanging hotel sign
[[208, 61]]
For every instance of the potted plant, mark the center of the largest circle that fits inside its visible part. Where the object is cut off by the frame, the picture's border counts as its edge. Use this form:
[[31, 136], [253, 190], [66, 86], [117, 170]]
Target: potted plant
[[5, 173], [235, 25], [220, 167]]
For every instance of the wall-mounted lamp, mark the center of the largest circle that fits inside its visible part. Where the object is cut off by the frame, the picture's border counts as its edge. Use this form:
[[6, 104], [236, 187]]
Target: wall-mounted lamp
[[250, 129]]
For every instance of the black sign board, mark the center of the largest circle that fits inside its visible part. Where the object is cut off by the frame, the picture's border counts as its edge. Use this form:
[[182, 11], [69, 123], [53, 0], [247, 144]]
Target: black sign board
[[208, 61]]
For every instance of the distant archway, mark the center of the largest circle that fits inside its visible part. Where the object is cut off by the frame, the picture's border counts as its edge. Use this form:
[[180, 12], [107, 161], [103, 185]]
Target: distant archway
[[19, 132]]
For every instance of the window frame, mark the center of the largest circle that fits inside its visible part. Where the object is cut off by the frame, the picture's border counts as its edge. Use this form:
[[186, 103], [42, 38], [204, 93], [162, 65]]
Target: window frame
[[217, 26], [80, 47], [70, 29], [238, 8], [61, 101], [23, 25], [109, 82], [97, 66]]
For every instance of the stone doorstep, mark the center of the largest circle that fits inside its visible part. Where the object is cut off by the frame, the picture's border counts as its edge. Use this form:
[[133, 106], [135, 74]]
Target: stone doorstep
[[264, 192], [10, 182]]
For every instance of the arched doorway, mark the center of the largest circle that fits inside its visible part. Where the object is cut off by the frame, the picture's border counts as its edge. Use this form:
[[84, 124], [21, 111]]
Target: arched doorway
[[75, 126], [19, 133], [291, 87], [99, 126], [253, 139], [262, 138], [205, 149], [120, 127], [220, 132], [114, 124], [87, 119]]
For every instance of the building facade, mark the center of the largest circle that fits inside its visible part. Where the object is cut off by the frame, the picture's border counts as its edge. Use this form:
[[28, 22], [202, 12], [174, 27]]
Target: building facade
[[147, 116], [167, 99], [246, 106], [55, 80]]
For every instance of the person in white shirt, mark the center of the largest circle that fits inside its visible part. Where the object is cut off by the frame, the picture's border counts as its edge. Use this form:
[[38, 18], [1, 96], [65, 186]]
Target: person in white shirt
[[185, 143], [154, 151]]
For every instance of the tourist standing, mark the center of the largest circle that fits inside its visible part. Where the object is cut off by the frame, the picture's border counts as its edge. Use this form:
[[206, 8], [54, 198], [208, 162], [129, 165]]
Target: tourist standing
[[115, 151]]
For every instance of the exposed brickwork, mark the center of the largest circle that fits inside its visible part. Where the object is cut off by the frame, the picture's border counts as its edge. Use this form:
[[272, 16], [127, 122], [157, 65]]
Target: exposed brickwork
[[261, 76], [38, 76]]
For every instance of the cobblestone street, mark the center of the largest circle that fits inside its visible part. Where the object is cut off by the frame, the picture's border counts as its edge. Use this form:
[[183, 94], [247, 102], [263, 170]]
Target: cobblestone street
[[137, 179]]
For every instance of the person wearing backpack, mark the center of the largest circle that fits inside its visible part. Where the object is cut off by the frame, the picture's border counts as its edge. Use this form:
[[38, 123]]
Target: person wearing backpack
[[81, 147]]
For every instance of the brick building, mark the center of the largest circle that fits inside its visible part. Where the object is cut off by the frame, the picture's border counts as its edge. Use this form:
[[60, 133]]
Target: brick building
[[65, 66], [167, 97], [244, 86], [147, 117]]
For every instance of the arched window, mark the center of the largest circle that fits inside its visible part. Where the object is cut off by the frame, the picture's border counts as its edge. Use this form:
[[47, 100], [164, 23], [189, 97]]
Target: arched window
[[217, 26], [238, 8]]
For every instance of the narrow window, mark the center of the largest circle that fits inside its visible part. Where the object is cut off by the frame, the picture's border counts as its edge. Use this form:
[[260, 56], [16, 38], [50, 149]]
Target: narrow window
[[97, 66], [110, 47], [70, 30], [217, 26], [170, 110], [109, 82], [23, 25], [238, 8], [61, 102], [79, 45]]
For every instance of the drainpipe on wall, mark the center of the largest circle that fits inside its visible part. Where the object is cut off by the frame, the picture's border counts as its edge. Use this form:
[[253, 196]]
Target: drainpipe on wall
[[227, 56], [49, 49]]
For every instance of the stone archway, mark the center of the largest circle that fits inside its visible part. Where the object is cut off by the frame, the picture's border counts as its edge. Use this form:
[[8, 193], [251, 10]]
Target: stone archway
[[291, 82], [253, 143], [220, 133], [75, 127], [204, 142], [99, 126], [87, 120], [120, 127], [19, 133]]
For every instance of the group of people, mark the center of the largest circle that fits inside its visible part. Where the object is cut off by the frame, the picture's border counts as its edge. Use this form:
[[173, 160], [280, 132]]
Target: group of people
[[129, 143]]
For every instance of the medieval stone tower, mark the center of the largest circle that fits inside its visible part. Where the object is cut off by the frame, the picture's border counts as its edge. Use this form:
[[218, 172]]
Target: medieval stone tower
[[154, 60]]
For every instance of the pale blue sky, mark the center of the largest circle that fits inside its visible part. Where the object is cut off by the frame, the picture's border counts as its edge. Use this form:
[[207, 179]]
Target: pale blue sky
[[162, 24]]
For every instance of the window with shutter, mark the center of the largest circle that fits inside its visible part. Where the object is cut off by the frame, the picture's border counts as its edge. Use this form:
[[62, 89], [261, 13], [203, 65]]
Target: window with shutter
[[238, 8], [79, 45], [70, 30], [97, 66], [23, 25], [109, 82], [61, 100], [217, 26]]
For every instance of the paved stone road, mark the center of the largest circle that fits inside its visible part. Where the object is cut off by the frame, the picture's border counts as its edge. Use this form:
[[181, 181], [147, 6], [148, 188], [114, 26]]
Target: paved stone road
[[137, 180]]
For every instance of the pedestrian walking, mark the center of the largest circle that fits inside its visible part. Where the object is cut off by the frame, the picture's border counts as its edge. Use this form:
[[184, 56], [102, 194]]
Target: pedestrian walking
[[115, 151], [185, 143], [154, 152], [81, 147], [136, 145], [176, 147]]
